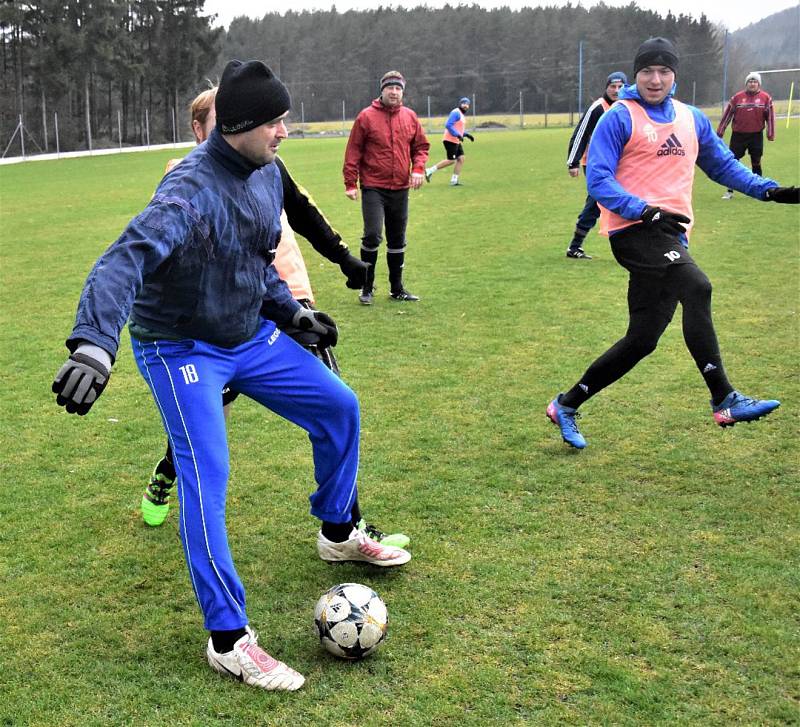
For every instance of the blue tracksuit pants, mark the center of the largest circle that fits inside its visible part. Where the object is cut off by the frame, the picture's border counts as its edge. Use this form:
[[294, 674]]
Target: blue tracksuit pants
[[186, 378]]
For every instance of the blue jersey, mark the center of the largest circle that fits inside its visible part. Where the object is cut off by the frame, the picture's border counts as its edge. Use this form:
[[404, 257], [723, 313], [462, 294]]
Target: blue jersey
[[612, 133]]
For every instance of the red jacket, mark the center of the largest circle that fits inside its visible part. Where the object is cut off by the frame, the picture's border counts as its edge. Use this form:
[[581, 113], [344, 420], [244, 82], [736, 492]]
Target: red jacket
[[749, 112], [384, 142]]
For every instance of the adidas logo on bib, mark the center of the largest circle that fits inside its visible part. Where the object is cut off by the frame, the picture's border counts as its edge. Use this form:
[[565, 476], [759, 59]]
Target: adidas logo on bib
[[671, 147]]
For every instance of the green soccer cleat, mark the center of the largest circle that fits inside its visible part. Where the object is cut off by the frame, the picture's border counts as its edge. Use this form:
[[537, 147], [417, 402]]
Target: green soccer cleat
[[155, 501], [395, 540]]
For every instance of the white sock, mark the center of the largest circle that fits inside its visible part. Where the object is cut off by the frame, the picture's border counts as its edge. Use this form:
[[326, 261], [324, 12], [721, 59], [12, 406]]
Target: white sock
[[454, 179], [431, 170]]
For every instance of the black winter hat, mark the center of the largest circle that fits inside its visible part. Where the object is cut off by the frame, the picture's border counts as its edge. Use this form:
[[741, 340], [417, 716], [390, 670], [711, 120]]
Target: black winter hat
[[249, 95], [655, 52]]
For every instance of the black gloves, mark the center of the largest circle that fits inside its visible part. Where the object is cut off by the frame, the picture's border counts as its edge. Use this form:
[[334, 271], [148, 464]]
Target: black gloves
[[670, 222], [469, 136], [82, 378], [355, 271], [783, 195], [317, 322]]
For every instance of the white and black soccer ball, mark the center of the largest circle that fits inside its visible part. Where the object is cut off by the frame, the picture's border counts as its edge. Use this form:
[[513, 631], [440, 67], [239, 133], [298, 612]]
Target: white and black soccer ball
[[351, 620]]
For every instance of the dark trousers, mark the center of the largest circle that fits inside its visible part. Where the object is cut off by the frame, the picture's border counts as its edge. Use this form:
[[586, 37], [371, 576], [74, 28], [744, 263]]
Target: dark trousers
[[588, 215], [658, 282], [586, 220], [385, 208]]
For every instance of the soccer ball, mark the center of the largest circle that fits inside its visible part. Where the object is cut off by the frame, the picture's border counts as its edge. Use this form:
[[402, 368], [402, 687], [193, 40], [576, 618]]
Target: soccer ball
[[351, 620]]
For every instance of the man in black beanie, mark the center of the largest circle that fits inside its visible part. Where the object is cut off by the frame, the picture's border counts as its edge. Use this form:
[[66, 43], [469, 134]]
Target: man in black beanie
[[641, 171], [194, 273]]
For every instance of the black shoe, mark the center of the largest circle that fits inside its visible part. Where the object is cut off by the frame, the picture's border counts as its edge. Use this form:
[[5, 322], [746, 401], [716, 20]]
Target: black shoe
[[366, 296], [402, 294], [578, 253]]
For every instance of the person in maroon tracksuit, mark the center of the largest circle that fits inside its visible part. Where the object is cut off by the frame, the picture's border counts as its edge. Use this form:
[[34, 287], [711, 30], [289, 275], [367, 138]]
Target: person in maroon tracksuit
[[386, 141], [750, 110]]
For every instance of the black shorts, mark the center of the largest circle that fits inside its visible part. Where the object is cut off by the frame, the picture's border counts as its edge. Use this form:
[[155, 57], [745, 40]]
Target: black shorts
[[640, 249], [749, 142], [228, 396], [453, 150]]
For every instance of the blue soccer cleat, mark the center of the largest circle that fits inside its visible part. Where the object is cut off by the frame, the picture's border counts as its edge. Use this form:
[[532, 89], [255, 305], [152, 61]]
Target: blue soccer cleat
[[564, 418], [737, 407]]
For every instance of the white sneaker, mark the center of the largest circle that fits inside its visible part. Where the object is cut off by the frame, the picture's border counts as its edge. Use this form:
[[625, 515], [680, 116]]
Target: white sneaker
[[249, 663], [360, 547], [727, 195]]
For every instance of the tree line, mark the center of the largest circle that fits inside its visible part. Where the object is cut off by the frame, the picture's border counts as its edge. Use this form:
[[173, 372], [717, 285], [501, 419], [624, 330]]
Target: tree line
[[102, 66], [111, 69], [327, 56]]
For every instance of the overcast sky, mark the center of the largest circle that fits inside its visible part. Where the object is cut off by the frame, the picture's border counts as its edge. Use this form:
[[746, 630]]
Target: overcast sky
[[733, 14]]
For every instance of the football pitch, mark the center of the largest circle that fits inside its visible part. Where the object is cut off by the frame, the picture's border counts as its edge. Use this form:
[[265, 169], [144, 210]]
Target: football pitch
[[649, 579]]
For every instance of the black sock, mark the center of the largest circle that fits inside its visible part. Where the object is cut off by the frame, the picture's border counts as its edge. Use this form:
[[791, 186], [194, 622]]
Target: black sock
[[166, 467], [337, 532], [355, 513], [395, 261], [370, 257], [223, 641], [574, 397]]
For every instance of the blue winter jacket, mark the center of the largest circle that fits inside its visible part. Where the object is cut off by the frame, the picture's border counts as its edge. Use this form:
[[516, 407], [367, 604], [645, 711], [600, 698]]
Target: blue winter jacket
[[197, 262], [612, 133]]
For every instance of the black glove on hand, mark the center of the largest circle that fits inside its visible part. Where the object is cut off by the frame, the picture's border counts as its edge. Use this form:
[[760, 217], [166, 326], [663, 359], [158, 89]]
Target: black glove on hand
[[355, 271], [784, 195], [82, 378], [671, 222], [317, 322], [469, 136]]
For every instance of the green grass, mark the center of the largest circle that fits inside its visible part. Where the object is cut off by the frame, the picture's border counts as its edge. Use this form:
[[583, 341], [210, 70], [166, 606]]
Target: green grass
[[650, 579]]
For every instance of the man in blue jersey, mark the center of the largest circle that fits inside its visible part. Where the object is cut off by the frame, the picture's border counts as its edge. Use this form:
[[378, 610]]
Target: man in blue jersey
[[454, 135], [641, 170], [576, 157], [194, 272]]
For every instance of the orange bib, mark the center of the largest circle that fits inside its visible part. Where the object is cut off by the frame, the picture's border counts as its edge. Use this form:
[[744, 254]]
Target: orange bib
[[657, 164]]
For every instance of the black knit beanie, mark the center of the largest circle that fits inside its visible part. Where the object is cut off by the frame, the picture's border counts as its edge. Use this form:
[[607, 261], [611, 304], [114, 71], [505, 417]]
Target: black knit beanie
[[249, 95], [655, 52]]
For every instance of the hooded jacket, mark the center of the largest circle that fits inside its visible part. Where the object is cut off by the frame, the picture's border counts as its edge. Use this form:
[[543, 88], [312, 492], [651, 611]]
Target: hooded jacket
[[385, 143]]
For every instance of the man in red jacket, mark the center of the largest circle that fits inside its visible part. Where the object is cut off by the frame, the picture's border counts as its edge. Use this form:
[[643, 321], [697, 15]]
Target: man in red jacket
[[750, 110], [385, 142]]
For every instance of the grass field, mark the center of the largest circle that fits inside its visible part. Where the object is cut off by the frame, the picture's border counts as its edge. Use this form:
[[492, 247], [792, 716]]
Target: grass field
[[651, 579]]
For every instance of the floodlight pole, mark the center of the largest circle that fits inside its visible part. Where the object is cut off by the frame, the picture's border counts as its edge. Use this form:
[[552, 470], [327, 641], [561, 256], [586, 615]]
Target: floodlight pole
[[725, 72], [55, 126], [430, 125], [580, 78], [521, 113], [22, 136], [119, 128], [44, 119]]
